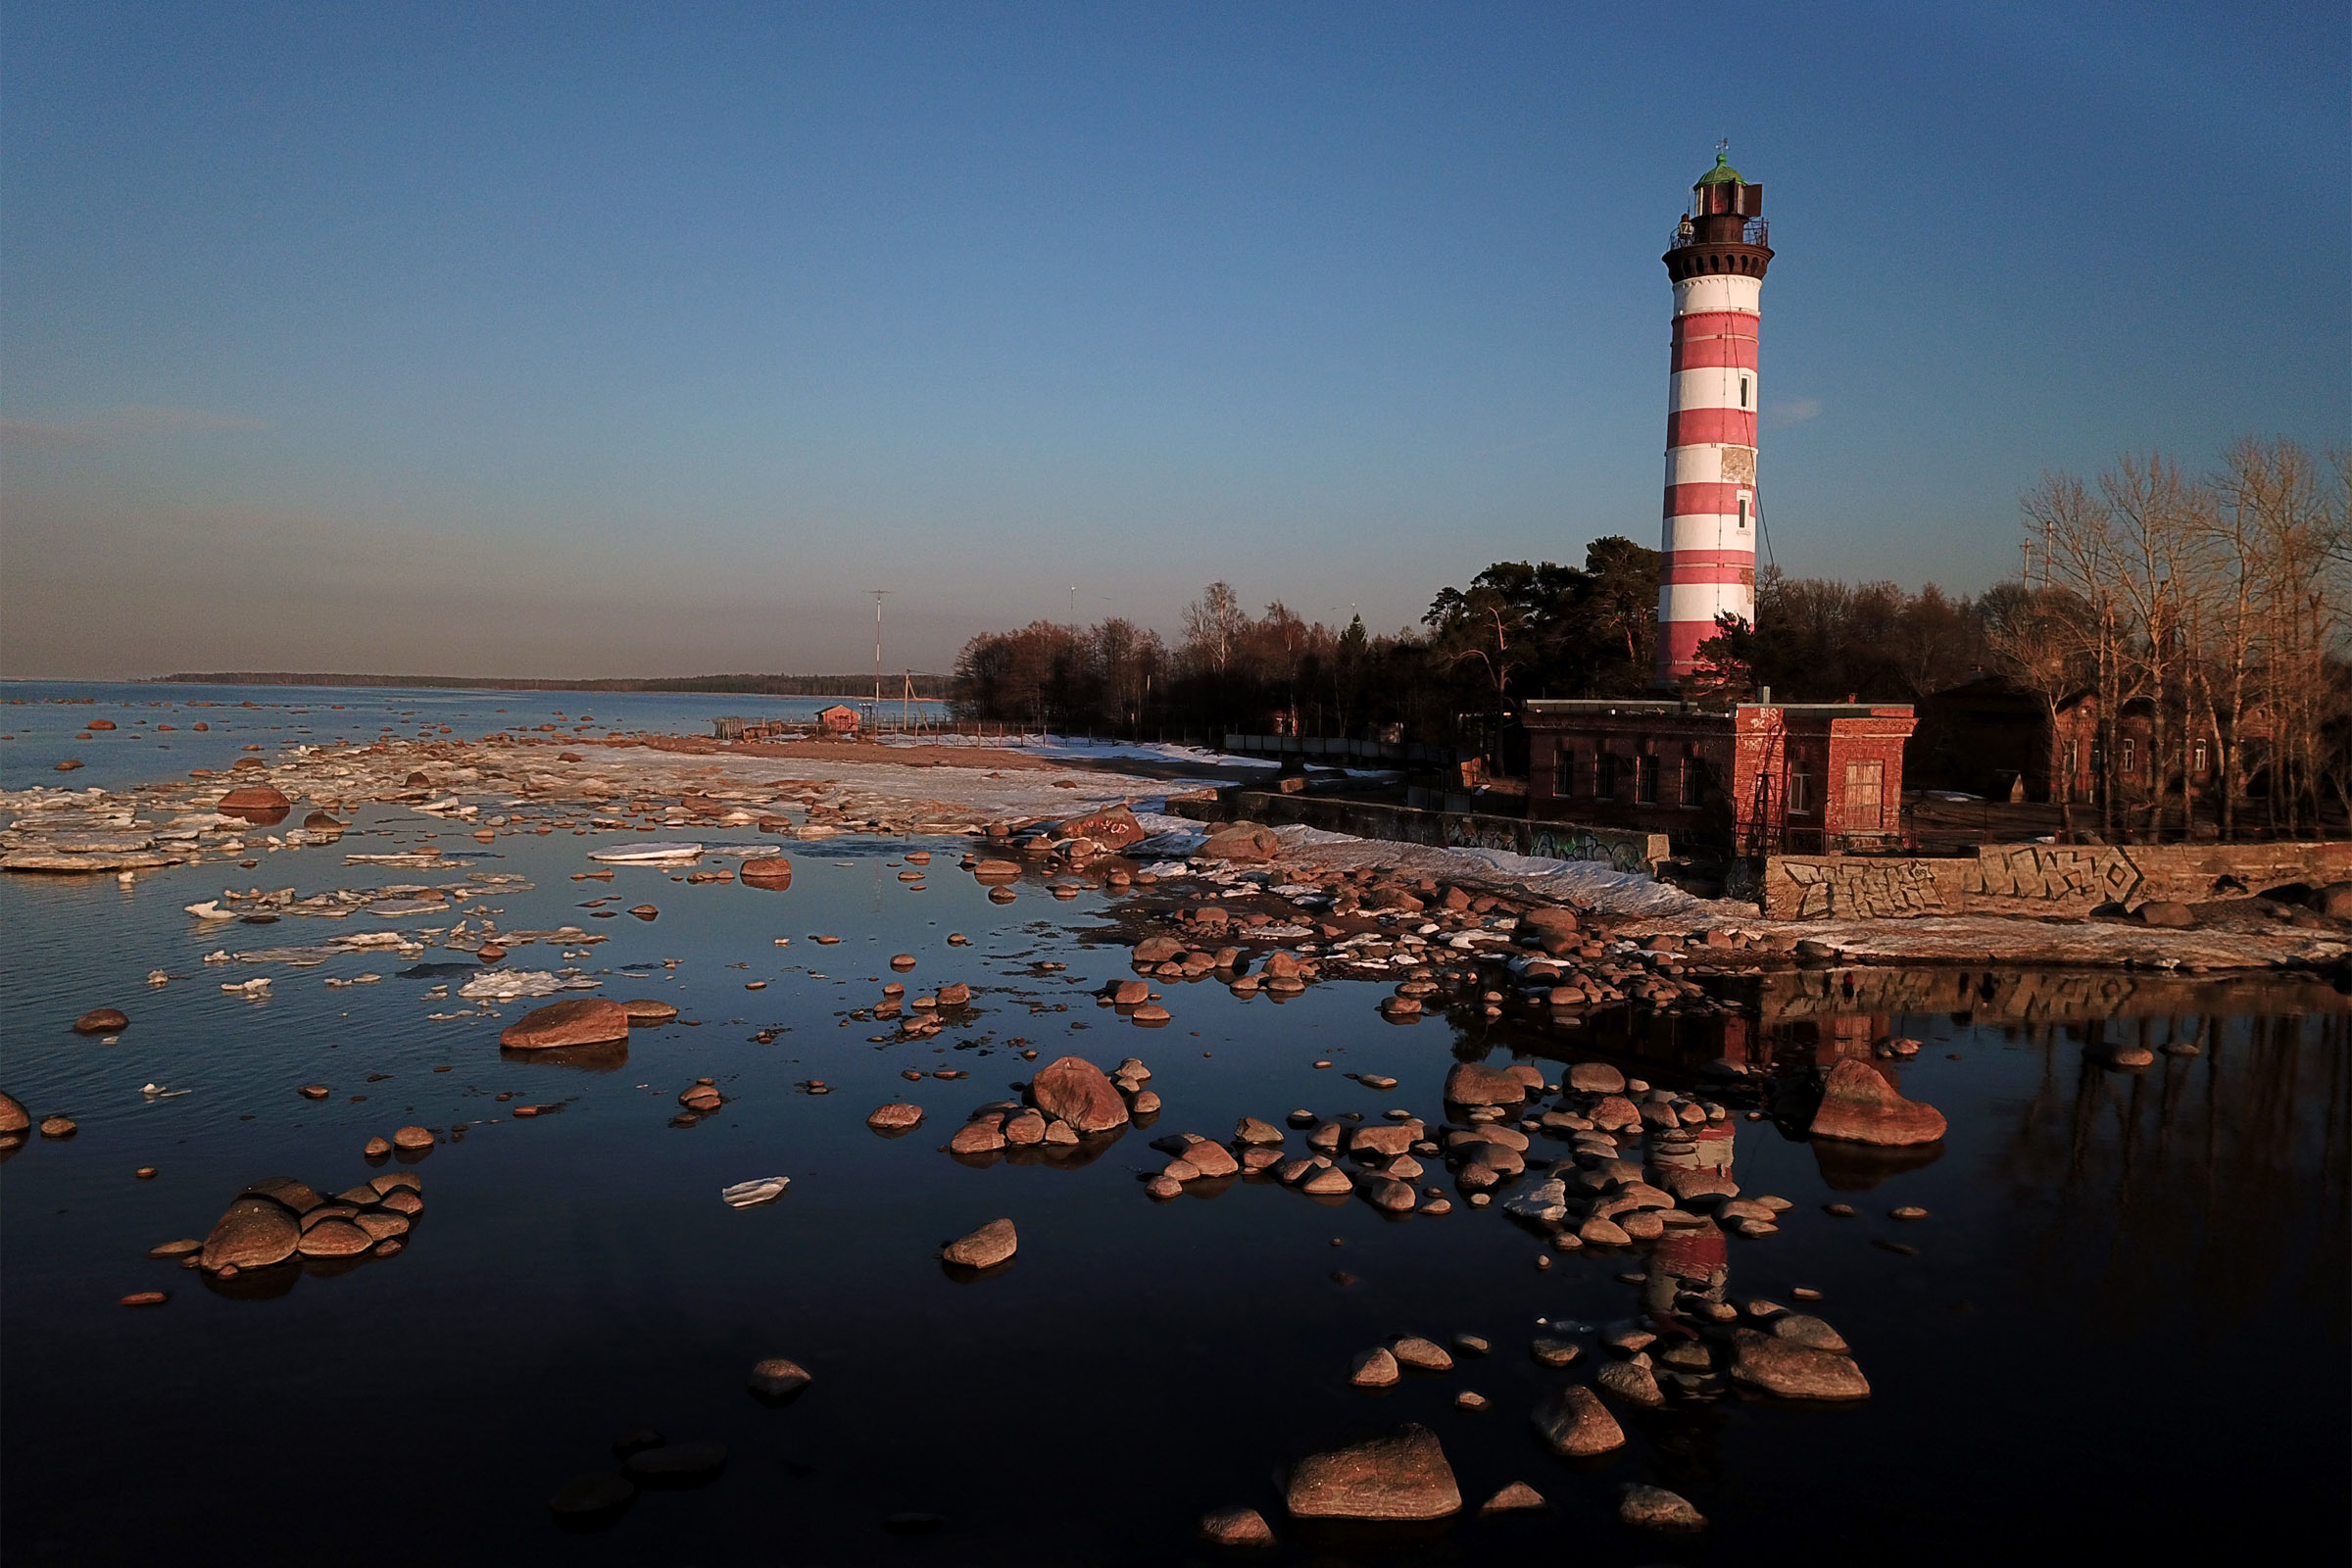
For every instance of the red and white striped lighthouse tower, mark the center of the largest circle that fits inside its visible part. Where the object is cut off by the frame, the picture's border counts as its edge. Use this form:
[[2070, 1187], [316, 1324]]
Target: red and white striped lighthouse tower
[[1717, 263]]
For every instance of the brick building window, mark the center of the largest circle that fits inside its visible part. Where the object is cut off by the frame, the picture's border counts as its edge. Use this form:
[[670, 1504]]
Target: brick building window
[[1646, 781], [1800, 785], [1695, 781], [2201, 759], [1604, 783], [1864, 810]]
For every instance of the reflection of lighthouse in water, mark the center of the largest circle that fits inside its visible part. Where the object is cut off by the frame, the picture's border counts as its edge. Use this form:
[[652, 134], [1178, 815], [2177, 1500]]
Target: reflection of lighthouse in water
[[1694, 1260]]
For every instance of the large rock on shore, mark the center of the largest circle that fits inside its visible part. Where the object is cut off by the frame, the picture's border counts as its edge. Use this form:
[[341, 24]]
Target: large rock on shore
[[1401, 1477], [1596, 1078], [13, 1118], [1240, 841], [767, 871], [255, 1233], [253, 798], [1078, 1091], [1472, 1082], [1792, 1370], [992, 1244], [1575, 1424], [1859, 1106], [778, 1378], [1656, 1508], [1236, 1527], [1550, 919], [583, 1021], [1114, 827], [101, 1021]]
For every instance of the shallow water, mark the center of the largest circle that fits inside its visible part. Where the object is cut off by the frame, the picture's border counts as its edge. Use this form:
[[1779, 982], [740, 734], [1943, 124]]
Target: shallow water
[[41, 721], [2124, 1330]]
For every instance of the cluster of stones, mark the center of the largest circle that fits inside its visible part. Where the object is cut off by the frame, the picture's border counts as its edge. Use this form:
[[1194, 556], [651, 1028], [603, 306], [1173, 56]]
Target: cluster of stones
[[1454, 947], [1168, 957], [1069, 1102], [1404, 1478], [698, 1099], [919, 1017], [1690, 1345], [278, 1219]]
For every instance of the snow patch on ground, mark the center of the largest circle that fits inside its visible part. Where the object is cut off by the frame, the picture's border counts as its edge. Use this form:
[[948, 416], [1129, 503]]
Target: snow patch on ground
[[1073, 747], [1586, 883]]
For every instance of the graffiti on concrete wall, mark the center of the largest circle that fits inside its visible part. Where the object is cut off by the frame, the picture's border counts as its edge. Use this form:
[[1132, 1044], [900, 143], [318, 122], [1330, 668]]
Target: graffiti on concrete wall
[[1565, 841], [1483, 833], [2079, 876], [1744, 881], [1856, 890]]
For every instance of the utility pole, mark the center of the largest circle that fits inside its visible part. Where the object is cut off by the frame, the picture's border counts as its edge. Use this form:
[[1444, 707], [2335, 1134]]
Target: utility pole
[[879, 594]]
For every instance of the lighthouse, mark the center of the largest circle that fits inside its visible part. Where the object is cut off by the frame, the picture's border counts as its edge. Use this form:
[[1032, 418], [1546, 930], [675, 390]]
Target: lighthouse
[[1716, 261], [1647, 777]]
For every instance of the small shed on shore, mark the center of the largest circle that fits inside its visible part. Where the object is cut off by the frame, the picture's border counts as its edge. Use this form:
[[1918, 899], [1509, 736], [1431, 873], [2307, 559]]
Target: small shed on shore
[[838, 719]]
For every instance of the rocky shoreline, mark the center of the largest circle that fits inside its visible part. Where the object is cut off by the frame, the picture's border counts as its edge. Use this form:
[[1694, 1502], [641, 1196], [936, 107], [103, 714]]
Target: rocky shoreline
[[1068, 826]]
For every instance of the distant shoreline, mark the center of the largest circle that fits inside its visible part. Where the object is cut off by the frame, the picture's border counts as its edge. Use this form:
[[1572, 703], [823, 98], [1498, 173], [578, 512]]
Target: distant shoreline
[[928, 688]]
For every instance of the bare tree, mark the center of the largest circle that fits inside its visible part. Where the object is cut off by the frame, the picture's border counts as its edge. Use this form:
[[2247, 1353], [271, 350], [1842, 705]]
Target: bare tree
[[1213, 624], [2078, 536], [2297, 524], [2156, 521]]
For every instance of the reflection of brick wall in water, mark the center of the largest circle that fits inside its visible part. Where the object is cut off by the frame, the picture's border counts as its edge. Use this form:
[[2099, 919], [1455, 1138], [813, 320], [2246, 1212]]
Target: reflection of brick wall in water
[[2011, 995]]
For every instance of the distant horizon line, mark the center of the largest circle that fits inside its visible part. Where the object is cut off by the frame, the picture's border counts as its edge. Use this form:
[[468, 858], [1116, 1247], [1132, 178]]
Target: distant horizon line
[[742, 683]]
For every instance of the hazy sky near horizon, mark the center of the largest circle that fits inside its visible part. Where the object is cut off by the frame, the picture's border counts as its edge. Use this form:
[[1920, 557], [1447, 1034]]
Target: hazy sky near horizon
[[580, 340]]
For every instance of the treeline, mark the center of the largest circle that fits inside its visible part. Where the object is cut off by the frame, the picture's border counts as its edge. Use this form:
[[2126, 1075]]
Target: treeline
[[927, 686], [2205, 608], [1519, 629]]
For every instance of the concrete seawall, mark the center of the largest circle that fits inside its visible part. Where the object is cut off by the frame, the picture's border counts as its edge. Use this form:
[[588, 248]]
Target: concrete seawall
[[2038, 879]]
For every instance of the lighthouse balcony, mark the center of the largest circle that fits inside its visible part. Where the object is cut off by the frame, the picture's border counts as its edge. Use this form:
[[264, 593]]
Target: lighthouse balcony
[[1755, 231]]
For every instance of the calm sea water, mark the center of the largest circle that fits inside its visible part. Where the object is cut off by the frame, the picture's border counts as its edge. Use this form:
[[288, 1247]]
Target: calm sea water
[[2123, 1334], [43, 721]]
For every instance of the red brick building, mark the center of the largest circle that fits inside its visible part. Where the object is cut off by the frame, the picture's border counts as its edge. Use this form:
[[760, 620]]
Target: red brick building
[[838, 719], [1802, 777]]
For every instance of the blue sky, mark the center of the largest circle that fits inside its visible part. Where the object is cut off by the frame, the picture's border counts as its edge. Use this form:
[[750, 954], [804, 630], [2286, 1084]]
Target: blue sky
[[579, 341]]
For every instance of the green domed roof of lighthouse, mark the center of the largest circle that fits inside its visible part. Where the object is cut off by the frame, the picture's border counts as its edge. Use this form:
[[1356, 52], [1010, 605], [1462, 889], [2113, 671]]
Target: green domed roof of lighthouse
[[1723, 173]]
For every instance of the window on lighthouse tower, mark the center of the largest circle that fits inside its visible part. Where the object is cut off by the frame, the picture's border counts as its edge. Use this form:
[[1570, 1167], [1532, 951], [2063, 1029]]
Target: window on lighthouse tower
[[1743, 512], [1744, 391]]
